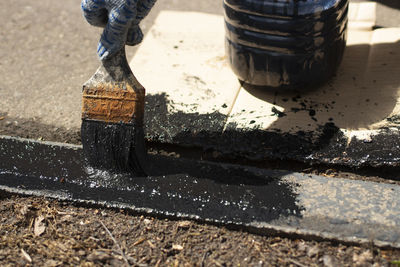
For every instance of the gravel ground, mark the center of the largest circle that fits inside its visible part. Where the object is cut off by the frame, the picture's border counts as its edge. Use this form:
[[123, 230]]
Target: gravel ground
[[41, 232]]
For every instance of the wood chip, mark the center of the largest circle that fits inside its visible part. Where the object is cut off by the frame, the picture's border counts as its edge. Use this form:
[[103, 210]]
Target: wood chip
[[147, 221], [39, 226], [216, 263], [184, 224], [140, 241], [151, 244], [98, 255], [26, 255], [177, 247], [194, 234], [52, 263], [24, 210]]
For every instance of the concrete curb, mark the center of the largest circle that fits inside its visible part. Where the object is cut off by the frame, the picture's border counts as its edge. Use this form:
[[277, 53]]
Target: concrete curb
[[261, 201]]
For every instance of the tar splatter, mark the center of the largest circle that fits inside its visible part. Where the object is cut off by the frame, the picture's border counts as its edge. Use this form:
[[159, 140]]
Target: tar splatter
[[276, 112], [209, 132]]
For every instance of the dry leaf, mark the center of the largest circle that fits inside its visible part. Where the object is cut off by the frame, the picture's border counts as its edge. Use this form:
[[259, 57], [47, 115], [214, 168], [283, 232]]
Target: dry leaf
[[39, 226], [66, 218], [329, 261], [26, 255], [2, 118], [24, 210], [363, 258], [313, 251]]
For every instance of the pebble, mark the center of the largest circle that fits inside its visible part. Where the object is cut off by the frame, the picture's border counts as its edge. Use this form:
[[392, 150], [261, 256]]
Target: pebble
[[312, 252], [329, 261], [363, 258], [302, 247]]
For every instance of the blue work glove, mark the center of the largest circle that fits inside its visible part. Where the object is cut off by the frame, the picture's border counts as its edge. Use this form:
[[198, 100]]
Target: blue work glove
[[120, 19]]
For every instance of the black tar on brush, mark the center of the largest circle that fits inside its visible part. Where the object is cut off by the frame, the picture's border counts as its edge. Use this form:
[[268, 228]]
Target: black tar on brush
[[112, 118]]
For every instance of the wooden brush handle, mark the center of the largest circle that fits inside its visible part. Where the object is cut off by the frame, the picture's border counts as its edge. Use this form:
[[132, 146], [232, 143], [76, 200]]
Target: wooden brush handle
[[113, 71], [113, 94]]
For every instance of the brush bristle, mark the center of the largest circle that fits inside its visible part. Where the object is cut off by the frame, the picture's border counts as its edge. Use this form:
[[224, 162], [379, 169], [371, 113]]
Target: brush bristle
[[114, 146]]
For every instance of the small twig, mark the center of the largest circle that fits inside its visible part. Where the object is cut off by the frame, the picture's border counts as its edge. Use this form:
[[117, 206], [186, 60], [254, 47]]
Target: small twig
[[290, 260], [296, 263], [203, 260], [116, 243], [216, 263]]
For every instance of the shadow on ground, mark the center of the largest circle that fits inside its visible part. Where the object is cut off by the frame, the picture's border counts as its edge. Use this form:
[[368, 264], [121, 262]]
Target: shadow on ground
[[390, 3], [35, 129]]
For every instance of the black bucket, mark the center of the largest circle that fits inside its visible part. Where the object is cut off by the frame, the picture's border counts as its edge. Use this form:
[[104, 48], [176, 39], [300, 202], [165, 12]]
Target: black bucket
[[285, 44]]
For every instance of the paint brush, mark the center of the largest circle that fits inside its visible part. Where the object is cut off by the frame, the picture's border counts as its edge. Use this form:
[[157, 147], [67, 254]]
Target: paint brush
[[112, 118]]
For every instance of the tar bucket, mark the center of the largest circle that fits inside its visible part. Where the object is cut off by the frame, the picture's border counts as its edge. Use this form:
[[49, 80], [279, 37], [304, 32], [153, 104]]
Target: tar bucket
[[285, 44]]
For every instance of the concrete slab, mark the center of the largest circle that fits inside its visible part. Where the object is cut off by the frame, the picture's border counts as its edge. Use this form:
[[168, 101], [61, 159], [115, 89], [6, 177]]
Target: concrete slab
[[362, 15], [262, 201], [183, 67], [355, 109], [358, 108], [45, 59]]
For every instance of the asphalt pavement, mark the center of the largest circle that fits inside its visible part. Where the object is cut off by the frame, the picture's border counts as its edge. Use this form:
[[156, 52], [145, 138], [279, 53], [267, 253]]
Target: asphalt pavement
[[47, 51]]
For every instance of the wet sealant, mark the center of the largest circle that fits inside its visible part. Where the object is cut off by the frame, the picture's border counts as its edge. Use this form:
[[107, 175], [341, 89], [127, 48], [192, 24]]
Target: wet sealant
[[327, 144], [259, 200]]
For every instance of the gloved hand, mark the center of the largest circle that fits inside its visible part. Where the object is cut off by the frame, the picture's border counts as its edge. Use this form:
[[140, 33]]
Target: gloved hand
[[120, 19]]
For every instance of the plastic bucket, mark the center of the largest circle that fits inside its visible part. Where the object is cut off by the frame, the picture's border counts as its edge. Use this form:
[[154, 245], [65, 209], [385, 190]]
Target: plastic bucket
[[285, 44]]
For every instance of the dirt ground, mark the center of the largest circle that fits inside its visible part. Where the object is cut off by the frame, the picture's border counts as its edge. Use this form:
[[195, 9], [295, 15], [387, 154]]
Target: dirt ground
[[42, 232]]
